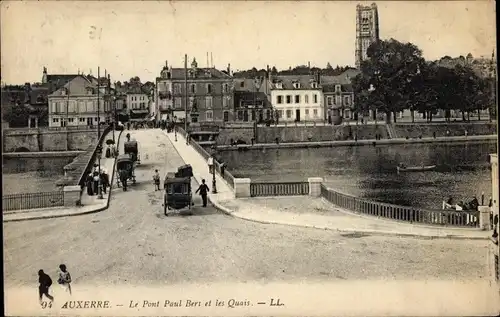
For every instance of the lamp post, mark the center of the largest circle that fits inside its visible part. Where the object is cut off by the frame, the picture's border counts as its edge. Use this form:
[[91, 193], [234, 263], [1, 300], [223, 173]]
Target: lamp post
[[214, 182], [257, 83]]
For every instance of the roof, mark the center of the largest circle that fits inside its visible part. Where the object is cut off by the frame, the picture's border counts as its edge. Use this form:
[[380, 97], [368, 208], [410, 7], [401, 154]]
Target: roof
[[247, 84], [250, 97], [331, 87], [77, 86], [288, 81], [57, 81], [201, 74]]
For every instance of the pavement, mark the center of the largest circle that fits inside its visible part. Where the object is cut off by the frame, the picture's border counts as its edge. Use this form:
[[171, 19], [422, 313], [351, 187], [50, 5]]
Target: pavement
[[132, 243], [90, 204], [306, 211]]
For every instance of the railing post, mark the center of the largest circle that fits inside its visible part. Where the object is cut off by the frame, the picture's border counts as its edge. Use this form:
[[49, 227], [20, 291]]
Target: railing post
[[242, 187], [484, 217]]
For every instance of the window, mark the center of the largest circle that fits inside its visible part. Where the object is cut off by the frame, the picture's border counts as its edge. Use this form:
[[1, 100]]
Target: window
[[279, 99], [315, 98], [297, 98], [347, 100], [329, 101], [288, 99], [315, 113], [240, 115], [225, 87], [177, 103], [71, 120], [347, 114], [226, 101], [280, 113], [314, 85], [306, 98], [55, 120], [82, 120], [279, 85], [177, 88], [209, 88], [71, 106], [208, 102], [338, 100], [209, 115], [242, 84], [307, 113], [288, 114], [296, 85], [337, 88], [226, 116], [192, 88]]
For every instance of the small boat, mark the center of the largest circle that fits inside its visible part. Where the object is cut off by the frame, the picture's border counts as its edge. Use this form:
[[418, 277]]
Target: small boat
[[423, 168]]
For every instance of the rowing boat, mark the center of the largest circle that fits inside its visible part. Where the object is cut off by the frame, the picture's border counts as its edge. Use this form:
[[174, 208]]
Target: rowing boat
[[416, 168]]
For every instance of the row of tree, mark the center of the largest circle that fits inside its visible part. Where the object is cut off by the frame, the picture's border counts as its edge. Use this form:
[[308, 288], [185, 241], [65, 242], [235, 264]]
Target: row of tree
[[297, 70], [396, 77]]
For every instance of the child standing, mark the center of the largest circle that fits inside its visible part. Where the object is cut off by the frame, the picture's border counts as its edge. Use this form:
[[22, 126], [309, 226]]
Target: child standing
[[64, 278], [156, 179]]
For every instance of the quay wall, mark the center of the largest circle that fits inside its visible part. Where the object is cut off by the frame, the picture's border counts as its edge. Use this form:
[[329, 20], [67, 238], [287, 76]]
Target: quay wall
[[427, 130], [319, 133], [293, 133], [47, 139]]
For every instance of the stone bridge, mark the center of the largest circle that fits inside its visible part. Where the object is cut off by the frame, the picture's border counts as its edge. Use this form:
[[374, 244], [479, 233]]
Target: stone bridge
[[48, 139]]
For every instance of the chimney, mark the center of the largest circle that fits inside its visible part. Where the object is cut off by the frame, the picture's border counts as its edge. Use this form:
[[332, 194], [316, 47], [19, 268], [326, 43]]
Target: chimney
[[229, 69], [318, 77], [309, 65]]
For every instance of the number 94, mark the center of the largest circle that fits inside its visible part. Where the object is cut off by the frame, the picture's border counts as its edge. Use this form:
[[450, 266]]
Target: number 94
[[46, 305]]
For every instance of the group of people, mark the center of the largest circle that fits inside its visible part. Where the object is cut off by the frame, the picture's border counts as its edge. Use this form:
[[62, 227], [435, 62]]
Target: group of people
[[471, 205], [45, 282], [111, 151], [94, 177]]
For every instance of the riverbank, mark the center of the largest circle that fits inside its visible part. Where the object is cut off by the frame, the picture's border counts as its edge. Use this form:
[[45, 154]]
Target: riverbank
[[42, 154], [370, 142]]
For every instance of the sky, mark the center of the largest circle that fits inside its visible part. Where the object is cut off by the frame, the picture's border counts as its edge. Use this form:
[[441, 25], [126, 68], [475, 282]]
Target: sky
[[136, 38]]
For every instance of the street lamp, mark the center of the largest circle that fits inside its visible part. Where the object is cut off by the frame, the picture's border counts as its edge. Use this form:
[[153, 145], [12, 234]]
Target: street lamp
[[214, 183]]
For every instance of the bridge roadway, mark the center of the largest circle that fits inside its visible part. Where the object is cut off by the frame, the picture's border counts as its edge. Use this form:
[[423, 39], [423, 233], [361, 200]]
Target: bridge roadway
[[134, 243]]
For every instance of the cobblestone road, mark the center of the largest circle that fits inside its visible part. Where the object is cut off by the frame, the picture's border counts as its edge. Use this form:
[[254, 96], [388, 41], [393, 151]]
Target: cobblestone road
[[134, 243]]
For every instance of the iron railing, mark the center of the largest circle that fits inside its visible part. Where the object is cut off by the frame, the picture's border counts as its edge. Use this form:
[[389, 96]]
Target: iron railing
[[401, 213], [32, 200], [279, 189]]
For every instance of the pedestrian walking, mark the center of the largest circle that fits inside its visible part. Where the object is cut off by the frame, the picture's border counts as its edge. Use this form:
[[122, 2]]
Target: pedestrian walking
[[104, 181], [222, 168], [210, 163], [156, 179], [90, 184], [96, 182], [64, 278], [45, 283], [203, 189]]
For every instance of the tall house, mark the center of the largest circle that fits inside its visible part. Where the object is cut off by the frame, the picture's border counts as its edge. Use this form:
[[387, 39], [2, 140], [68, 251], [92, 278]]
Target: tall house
[[209, 94], [367, 30]]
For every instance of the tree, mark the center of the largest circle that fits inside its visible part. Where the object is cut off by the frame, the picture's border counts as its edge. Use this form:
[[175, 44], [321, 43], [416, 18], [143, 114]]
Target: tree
[[328, 66], [16, 115], [390, 69]]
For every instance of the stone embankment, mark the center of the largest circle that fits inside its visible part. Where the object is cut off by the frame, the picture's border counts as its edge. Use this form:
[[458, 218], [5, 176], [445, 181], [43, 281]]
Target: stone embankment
[[453, 139]]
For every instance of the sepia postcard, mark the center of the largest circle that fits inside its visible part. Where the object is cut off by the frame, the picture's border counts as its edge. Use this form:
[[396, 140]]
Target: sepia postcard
[[249, 158]]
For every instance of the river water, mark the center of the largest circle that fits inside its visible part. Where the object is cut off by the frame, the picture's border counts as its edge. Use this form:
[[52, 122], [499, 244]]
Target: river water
[[31, 175], [370, 172]]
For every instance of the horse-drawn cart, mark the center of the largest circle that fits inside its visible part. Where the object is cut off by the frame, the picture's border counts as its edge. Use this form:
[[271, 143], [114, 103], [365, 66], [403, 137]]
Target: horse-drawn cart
[[126, 170], [178, 193]]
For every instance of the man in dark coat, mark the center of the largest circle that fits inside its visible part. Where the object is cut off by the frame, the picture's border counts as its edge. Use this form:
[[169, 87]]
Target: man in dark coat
[[45, 283], [203, 189]]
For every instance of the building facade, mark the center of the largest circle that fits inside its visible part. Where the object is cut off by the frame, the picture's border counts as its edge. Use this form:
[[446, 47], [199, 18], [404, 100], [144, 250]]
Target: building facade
[[76, 103], [367, 30], [208, 97], [297, 98], [251, 100]]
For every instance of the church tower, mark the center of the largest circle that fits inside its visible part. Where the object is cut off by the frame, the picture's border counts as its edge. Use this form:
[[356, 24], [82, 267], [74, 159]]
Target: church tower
[[367, 30]]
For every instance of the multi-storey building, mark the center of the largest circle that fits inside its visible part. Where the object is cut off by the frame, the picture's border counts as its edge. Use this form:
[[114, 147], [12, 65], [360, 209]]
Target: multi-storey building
[[297, 97], [367, 30], [338, 96], [251, 100], [208, 98], [76, 103]]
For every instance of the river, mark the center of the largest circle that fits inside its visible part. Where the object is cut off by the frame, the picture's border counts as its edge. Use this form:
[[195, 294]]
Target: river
[[31, 175], [370, 172]]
